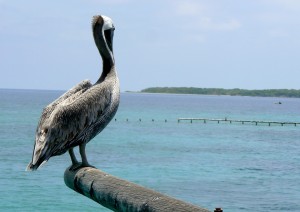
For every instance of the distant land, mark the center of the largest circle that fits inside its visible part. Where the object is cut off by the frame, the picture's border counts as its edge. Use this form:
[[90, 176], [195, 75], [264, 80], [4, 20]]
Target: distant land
[[220, 91]]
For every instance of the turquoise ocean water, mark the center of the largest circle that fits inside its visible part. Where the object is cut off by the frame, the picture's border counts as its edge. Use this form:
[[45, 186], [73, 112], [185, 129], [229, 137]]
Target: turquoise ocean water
[[233, 166]]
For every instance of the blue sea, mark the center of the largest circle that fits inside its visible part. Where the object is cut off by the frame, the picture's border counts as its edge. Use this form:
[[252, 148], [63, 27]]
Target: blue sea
[[239, 167]]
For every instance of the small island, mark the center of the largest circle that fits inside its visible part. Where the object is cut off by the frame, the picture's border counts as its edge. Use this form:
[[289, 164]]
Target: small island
[[220, 91]]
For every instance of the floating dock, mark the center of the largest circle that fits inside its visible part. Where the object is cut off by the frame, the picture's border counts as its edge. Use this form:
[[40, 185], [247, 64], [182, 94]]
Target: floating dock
[[240, 121]]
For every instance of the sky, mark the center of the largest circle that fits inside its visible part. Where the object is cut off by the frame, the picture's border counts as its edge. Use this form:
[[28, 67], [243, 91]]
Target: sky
[[249, 44]]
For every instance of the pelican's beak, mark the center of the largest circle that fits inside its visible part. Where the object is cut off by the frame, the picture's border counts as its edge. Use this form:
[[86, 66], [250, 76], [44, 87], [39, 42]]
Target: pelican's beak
[[109, 34]]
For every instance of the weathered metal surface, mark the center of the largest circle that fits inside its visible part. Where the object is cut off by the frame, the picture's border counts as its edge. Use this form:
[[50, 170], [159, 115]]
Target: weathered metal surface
[[121, 195]]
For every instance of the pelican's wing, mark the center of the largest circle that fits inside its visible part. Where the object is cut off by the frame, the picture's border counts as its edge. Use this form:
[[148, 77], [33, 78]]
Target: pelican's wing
[[43, 134], [77, 89], [77, 118]]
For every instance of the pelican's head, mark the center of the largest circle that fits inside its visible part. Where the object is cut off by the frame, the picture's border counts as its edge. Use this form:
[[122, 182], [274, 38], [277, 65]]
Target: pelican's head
[[103, 30]]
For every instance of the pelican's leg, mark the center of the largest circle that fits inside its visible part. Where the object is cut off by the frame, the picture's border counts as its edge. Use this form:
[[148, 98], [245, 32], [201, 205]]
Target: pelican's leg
[[73, 157], [75, 164], [85, 162]]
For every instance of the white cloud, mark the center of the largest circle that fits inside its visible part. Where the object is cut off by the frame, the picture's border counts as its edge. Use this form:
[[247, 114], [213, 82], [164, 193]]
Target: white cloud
[[279, 18], [195, 38], [203, 16], [287, 4], [279, 33], [208, 24], [109, 2], [272, 17], [189, 8]]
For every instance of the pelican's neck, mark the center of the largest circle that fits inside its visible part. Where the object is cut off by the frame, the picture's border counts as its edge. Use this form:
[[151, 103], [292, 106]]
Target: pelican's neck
[[107, 67]]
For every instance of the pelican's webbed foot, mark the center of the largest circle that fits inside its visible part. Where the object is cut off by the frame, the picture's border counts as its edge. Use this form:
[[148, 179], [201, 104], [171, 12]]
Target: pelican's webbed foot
[[77, 166]]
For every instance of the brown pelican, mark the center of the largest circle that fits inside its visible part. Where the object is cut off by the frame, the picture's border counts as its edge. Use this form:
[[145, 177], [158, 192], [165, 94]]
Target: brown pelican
[[82, 112]]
